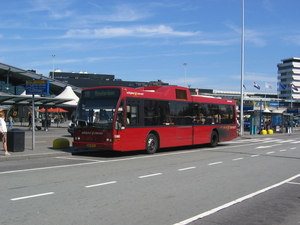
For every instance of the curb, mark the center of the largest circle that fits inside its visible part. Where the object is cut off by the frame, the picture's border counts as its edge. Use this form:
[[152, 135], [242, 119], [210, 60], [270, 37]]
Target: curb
[[33, 156]]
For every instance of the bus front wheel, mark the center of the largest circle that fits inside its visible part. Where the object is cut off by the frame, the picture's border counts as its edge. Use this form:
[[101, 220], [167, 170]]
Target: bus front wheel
[[214, 139], [151, 144]]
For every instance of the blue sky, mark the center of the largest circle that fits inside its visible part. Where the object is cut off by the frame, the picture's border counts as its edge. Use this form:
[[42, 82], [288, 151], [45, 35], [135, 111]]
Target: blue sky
[[139, 40]]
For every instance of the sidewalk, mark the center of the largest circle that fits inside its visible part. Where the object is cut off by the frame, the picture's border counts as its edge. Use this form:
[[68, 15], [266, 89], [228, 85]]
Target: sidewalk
[[44, 142]]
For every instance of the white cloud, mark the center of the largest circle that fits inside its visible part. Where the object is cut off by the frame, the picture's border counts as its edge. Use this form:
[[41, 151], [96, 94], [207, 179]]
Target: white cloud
[[250, 35], [216, 42], [268, 5], [193, 82], [138, 31], [294, 39], [56, 8], [125, 13], [119, 13], [257, 77]]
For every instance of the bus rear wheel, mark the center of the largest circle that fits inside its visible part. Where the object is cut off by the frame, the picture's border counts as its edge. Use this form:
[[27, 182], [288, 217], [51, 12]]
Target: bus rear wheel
[[151, 144], [214, 139]]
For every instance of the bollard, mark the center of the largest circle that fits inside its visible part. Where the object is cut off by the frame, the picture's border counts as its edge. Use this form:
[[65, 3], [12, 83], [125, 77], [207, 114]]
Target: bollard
[[270, 131], [263, 132], [61, 143]]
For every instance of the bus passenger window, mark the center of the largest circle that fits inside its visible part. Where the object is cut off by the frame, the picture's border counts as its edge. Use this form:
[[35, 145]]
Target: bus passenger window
[[132, 115]]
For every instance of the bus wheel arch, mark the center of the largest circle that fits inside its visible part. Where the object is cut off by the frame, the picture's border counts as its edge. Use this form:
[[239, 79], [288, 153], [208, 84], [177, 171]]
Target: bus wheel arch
[[152, 142], [214, 138]]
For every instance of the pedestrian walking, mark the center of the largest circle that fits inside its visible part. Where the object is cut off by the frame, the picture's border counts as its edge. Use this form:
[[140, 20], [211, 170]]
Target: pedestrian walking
[[30, 121], [269, 123], [289, 125], [3, 130], [10, 123]]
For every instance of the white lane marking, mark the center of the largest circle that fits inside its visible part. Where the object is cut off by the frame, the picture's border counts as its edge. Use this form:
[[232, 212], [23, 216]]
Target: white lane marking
[[46, 168], [215, 163], [32, 196], [284, 141], [296, 142], [188, 168], [91, 160], [150, 175], [269, 141], [237, 159], [254, 155], [282, 150], [293, 148], [231, 142], [212, 211], [268, 153], [96, 185], [293, 183], [268, 146]]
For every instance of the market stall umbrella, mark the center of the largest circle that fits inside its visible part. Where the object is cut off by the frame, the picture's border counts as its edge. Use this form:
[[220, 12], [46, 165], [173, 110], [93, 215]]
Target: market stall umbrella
[[57, 110], [41, 110]]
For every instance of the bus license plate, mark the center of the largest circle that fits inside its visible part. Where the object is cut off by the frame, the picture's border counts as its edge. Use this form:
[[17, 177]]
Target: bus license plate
[[91, 145]]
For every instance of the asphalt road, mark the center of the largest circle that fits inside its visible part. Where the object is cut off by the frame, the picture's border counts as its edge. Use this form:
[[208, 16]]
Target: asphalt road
[[245, 181]]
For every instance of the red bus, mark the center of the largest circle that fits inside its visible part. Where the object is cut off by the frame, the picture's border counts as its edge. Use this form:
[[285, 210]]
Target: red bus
[[149, 118]]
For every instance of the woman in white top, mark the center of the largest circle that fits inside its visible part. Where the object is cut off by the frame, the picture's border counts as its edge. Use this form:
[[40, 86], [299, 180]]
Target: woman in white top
[[3, 131]]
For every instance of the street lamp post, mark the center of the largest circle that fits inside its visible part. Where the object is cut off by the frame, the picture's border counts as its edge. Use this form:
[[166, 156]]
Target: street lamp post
[[184, 73], [53, 66], [242, 73]]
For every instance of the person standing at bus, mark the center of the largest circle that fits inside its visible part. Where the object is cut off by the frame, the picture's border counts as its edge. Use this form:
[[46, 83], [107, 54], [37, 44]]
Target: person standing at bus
[[289, 125], [268, 125], [10, 122], [3, 130], [30, 121]]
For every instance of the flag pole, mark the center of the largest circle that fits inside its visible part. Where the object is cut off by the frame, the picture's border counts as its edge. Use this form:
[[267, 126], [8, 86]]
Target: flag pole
[[265, 95]]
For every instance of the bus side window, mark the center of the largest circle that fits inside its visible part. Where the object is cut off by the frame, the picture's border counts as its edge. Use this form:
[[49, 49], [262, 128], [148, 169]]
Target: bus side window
[[132, 117]]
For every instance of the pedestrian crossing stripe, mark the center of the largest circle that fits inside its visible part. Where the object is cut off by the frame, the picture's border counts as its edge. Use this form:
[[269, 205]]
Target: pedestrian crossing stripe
[[268, 140]]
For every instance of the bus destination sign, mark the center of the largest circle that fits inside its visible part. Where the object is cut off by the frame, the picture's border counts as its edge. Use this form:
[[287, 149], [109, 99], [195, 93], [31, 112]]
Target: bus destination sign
[[101, 93]]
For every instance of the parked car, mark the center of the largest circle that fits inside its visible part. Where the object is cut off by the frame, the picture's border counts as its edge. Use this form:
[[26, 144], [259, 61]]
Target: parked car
[[71, 128]]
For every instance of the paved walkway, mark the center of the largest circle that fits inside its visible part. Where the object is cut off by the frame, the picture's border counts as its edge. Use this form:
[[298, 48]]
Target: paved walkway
[[43, 146], [43, 143]]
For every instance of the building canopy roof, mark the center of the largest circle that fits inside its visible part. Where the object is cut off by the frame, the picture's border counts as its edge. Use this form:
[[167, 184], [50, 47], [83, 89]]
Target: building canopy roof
[[27, 100], [19, 76], [69, 93]]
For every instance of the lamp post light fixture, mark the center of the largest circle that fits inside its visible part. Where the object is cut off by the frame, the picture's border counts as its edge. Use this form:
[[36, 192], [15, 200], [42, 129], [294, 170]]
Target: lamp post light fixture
[[53, 66], [184, 72]]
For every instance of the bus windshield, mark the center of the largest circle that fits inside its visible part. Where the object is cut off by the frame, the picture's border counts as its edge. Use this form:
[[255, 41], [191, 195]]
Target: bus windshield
[[96, 109]]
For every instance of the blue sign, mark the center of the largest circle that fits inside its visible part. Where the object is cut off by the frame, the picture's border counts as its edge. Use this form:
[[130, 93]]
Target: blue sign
[[292, 110], [276, 121], [247, 107], [37, 87]]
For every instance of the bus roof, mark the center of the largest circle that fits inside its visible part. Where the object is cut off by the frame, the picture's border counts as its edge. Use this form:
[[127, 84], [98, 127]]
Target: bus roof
[[167, 92]]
